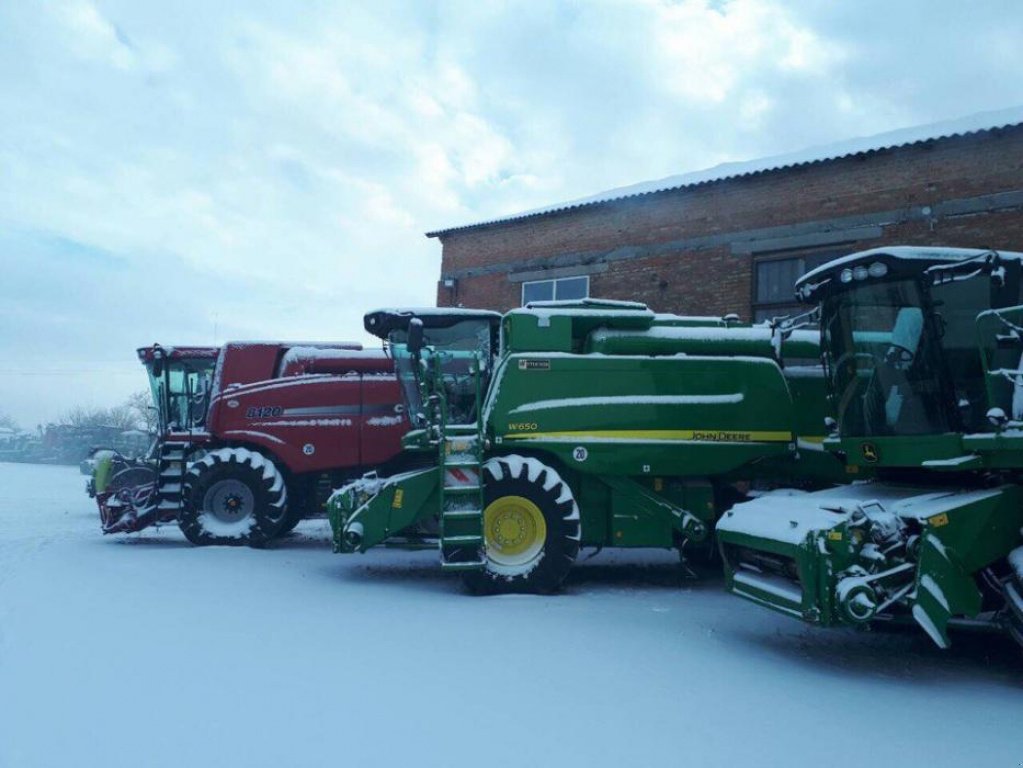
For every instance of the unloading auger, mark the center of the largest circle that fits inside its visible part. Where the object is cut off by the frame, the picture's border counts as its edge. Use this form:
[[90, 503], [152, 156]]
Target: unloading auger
[[923, 355]]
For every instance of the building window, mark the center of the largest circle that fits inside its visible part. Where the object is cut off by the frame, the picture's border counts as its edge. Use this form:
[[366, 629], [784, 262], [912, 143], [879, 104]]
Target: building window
[[774, 281], [560, 289]]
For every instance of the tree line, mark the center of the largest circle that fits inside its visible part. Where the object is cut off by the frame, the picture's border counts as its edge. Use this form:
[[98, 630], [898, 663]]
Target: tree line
[[136, 412]]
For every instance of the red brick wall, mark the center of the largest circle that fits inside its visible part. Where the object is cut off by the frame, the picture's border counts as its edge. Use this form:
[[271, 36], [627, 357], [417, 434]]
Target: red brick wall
[[715, 281]]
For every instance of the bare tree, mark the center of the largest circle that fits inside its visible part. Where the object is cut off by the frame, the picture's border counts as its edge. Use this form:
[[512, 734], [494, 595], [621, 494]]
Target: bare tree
[[8, 421], [141, 405], [120, 416]]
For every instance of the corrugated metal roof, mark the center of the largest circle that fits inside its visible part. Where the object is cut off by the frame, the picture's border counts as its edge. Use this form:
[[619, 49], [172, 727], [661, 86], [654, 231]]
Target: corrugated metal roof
[[978, 123]]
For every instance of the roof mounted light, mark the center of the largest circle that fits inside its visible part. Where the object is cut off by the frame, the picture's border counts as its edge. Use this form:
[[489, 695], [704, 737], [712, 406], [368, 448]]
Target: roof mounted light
[[860, 272], [845, 276], [878, 269]]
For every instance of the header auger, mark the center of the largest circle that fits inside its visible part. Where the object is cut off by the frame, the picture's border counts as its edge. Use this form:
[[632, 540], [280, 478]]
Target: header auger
[[922, 349], [594, 424]]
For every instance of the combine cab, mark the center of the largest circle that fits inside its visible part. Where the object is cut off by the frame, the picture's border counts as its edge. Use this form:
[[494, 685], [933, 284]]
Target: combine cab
[[252, 436], [922, 351], [595, 424]]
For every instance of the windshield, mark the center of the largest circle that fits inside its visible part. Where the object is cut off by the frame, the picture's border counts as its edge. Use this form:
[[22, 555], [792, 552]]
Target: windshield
[[449, 352], [182, 392], [882, 362]]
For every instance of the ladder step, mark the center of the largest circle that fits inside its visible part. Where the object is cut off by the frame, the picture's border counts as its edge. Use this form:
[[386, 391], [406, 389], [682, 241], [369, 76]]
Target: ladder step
[[460, 541], [168, 489], [448, 489], [461, 514], [473, 565], [467, 464]]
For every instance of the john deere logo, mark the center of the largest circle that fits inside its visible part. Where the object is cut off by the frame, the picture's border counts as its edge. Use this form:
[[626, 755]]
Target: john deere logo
[[869, 451]]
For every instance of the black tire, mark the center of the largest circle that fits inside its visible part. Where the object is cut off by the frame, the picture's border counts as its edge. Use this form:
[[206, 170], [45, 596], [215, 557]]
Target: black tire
[[1014, 596], [540, 485], [301, 493], [233, 496]]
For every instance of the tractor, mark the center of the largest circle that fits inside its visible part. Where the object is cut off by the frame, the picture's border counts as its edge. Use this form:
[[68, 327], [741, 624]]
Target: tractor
[[596, 423], [252, 436], [922, 355]]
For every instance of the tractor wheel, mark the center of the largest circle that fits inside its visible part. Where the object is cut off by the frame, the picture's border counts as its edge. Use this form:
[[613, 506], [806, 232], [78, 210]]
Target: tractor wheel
[[290, 521], [233, 496], [1014, 595], [531, 528], [301, 492]]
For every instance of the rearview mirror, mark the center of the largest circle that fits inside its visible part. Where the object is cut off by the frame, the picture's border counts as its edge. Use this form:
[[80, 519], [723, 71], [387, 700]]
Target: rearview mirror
[[157, 361], [415, 336]]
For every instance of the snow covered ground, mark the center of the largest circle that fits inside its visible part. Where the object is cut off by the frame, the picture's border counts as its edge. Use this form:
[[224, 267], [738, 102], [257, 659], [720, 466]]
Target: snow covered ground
[[144, 651]]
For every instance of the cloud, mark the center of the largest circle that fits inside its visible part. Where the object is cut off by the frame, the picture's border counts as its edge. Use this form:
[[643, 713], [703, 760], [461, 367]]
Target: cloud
[[168, 168], [93, 37]]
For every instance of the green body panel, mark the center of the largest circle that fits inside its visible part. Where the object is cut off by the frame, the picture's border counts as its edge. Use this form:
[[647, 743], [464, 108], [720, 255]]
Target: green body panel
[[929, 379], [365, 513], [643, 516], [103, 470], [807, 546], [642, 415], [648, 418], [909, 451]]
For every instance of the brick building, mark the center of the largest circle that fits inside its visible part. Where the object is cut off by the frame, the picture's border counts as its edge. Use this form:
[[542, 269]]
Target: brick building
[[734, 238]]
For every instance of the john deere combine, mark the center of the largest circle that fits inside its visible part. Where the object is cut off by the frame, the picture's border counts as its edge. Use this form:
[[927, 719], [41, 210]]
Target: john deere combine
[[922, 353], [596, 424]]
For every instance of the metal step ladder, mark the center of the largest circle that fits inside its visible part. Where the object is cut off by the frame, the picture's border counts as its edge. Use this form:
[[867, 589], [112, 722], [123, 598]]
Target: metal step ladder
[[462, 544], [170, 482], [461, 499]]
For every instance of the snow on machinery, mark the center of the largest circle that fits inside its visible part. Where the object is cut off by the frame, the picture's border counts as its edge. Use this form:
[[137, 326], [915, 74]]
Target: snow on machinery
[[922, 352], [252, 436], [596, 423]]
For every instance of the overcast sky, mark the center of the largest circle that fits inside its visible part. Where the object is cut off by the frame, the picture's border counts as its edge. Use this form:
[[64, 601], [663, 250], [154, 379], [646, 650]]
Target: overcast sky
[[191, 172]]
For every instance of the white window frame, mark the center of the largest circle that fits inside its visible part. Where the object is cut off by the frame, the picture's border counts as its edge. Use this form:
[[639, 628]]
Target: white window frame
[[554, 290]]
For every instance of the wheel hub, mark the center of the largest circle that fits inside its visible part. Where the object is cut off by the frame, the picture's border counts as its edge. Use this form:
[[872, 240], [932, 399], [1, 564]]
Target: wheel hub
[[515, 531], [229, 501]]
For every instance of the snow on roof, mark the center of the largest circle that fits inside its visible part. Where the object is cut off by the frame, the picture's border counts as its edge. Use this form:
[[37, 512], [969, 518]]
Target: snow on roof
[[963, 126], [435, 311], [906, 252], [309, 354]]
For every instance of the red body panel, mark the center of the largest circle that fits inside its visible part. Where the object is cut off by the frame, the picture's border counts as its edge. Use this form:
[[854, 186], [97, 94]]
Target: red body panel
[[314, 423], [311, 408], [316, 408]]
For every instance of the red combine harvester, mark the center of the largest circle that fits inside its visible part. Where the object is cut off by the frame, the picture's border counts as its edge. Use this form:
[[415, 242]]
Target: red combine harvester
[[253, 436]]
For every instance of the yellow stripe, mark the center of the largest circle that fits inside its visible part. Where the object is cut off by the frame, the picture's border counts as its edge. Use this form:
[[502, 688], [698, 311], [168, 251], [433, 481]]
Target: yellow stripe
[[698, 435]]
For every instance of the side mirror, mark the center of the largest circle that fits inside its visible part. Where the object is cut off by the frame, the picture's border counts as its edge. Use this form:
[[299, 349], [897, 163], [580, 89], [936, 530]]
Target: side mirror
[[157, 361], [415, 336]]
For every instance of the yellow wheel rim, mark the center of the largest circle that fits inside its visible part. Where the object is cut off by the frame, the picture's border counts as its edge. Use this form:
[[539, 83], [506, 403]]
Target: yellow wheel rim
[[515, 532]]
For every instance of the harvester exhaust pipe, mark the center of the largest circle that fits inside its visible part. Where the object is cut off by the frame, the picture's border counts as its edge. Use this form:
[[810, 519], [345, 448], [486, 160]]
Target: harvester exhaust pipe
[[353, 535]]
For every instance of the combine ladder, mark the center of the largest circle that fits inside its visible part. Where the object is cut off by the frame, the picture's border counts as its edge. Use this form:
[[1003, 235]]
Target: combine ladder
[[170, 478], [462, 546], [461, 499]]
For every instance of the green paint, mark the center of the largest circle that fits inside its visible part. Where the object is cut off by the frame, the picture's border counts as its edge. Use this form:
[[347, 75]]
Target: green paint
[[650, 419], [918, 353]]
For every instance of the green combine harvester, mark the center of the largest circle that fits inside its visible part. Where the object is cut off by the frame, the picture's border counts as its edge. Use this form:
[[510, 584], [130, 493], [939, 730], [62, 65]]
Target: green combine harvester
[[595, 423], [922, 352]]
